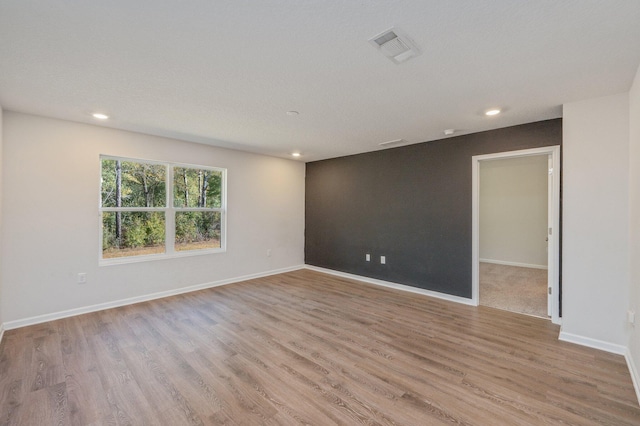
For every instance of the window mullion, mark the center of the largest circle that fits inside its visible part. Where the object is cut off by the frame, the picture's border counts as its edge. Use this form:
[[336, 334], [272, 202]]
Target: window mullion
[[132, 209]]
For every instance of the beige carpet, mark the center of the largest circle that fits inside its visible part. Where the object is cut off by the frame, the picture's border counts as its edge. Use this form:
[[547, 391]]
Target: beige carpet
[[515, 289]]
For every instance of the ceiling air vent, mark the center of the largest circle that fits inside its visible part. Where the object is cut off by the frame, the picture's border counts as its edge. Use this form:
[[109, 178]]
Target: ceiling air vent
[[395, 45], [393, 142]]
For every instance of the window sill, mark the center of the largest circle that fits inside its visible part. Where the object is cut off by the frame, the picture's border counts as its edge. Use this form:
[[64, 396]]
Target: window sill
[[154, 257]]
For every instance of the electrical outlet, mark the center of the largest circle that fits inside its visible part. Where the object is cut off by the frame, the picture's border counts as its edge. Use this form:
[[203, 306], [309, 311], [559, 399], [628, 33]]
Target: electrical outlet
[[383, 260], [367, 257], [82, 278], [631, 316]]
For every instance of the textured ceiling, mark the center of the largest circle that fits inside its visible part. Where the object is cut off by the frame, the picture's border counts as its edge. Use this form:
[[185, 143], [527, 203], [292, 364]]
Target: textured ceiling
[[225, 72]]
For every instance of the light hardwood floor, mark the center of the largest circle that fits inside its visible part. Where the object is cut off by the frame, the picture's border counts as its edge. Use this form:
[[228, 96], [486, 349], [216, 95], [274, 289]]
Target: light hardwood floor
[[307, 348]]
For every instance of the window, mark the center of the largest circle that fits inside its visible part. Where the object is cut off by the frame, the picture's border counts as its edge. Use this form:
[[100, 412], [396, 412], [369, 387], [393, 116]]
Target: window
[[197, 200], [139, 221]]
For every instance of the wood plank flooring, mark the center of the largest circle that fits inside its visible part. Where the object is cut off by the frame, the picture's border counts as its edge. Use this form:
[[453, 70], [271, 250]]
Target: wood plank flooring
[[307, 348]]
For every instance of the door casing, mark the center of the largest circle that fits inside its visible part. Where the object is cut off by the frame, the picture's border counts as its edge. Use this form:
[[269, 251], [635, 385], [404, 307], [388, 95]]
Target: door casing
[[553, 273]]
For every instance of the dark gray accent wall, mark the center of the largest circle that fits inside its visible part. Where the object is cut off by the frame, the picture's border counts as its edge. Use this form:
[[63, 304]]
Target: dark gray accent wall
[[411, 204]]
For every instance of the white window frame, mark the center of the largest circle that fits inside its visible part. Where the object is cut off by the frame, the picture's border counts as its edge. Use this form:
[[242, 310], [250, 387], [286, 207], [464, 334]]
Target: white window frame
[[169, 211]]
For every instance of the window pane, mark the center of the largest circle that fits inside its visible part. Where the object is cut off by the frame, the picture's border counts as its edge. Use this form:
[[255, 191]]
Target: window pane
[[132, 233], [197, 230], [133, 184], [196, 187]]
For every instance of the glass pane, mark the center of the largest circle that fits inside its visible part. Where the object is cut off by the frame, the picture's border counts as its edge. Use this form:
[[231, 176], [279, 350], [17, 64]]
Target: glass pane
[[132, 184], [197, 230], [197, 187], [132, 233]]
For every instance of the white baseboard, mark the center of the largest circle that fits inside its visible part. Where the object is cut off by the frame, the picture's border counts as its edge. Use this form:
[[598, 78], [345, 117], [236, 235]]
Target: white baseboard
[[635, 378], [507, 263], [132, 300], [397, 286], [593, 343], [1, 332]]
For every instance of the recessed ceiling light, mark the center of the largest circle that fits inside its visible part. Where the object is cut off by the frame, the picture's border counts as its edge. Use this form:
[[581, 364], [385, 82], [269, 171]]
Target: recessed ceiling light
[[100, 116], [494, 111], [449, 132], [292, 112], [295, 154]]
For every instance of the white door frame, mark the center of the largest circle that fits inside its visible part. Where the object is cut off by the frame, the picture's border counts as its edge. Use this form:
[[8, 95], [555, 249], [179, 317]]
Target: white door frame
[[554, 226]]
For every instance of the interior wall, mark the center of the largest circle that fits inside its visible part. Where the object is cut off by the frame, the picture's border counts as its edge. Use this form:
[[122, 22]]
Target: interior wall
[[634, 222], [513, 211], [51, 197], [1, 235], [595, 261], [411, 204]]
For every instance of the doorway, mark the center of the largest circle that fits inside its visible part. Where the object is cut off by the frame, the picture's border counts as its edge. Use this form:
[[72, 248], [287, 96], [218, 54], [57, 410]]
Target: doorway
[[517, 257], [513, 234]]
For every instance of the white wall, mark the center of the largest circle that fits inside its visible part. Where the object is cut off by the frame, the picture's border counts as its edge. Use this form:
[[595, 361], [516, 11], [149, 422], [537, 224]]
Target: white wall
[[595, 266], [51, 221], [1, 266], [634, 222], [513, 210]]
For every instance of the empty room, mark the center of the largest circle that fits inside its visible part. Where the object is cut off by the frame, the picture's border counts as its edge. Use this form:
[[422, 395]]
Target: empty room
[[319, 212]]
